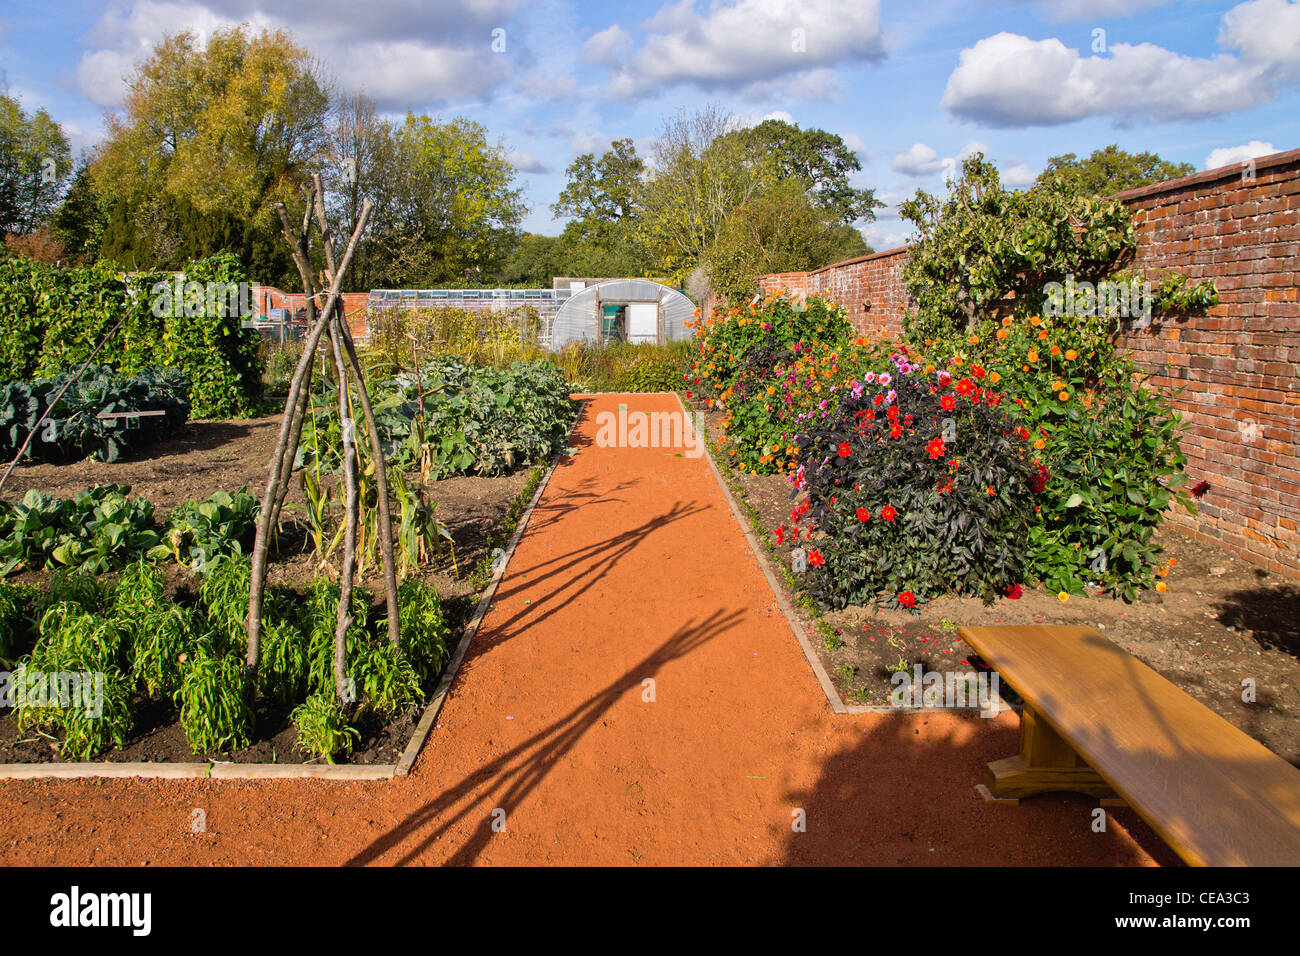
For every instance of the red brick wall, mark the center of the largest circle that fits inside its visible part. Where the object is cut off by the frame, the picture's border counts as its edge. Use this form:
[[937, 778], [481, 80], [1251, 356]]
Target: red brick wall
[[1236, 365], [355, 305]]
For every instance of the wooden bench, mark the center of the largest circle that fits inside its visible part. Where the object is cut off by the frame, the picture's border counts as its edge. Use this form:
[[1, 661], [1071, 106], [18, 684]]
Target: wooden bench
[[1098, 721]]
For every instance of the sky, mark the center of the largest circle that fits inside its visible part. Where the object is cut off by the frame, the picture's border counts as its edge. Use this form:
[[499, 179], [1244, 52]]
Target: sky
[[911, 87]]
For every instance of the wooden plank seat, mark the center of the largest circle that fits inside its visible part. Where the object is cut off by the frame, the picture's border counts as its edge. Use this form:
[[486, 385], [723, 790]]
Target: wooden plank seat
[[1098, 721]]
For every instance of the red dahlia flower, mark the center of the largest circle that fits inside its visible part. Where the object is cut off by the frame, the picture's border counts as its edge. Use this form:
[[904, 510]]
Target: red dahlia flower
[[948, 403], [863, 514], [935, 448], [1038, 480], [1200, 489], [1015, 591], [815, 558], [907, 599], [888, 513], [845, 449]]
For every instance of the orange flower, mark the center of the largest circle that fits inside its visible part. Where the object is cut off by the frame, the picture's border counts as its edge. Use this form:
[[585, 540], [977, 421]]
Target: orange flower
[[1071, 355], [1040, 444], [1042, 334], [1161, 586], [974, 340], [1172, 562], [1002, 333], [1056, 350], [994, 377], [1033, 355], [1064, 396], [1035, 320], [1006, 322]]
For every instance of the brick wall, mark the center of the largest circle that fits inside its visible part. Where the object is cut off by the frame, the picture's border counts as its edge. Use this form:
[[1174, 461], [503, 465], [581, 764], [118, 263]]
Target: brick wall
[[1237, 365], [355, 305]]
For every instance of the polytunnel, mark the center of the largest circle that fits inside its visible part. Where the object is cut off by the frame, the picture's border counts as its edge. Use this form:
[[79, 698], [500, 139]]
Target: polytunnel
[[639, 311]]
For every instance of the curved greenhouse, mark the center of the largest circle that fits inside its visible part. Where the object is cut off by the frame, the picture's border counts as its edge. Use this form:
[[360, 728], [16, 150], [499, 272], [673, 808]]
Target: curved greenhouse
[[639, 311]]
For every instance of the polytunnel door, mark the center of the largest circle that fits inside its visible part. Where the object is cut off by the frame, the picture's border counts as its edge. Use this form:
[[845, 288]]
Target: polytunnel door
[[643, 323]]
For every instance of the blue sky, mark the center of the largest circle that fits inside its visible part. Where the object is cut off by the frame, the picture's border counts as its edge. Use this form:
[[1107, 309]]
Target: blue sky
[[911, 86]]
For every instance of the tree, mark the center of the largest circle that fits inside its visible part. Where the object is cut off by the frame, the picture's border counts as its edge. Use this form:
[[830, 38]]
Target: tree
[[534, 262], [80, 220], [605, 189], [818, 160], [1111, 170], [982, 243], [35, 163], [779, 230], [454, 211], [210, 137]]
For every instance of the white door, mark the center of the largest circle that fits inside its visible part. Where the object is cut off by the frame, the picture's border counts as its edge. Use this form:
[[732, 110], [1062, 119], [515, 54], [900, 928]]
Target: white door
[[643, 322]]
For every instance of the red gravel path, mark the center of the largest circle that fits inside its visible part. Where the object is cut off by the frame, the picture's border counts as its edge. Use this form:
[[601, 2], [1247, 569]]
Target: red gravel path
[[632, 568]]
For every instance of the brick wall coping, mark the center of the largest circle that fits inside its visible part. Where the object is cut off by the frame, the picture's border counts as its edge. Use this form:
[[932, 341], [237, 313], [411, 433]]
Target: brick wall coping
[[849, 262], [1208, 176]]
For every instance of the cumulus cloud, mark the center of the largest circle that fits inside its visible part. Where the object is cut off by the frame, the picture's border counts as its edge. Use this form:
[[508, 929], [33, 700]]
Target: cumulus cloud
[[607, 46], [526, 162], [1011, 80], [1018, 175], [917, 160], [1233, 155], [1267, 33], [398, 53], [739, 43]]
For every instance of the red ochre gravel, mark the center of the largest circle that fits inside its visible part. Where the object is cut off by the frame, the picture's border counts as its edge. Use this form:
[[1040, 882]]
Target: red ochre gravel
[[632, 569]]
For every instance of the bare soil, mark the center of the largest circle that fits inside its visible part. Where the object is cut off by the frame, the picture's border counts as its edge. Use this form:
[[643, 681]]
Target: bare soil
[[208, 456], [1222, 621]]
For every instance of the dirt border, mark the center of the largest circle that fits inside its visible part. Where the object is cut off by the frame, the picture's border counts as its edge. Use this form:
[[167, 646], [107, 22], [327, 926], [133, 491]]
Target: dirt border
[[226, 770], [765, 565]]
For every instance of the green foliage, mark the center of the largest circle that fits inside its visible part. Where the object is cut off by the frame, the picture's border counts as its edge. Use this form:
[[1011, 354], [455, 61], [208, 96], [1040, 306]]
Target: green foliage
[[322, 625], [387, 683], [78, 651], [471, 420], [981, 244], [73, 429], [1114, 470], [35, 163], [284, 666], [213, 700], [98, 530], [198, 532], [1175, 296], [1111, 170], [323, 727], [916, 485], [52, 319], [224, 595], [11, 622], [165, 638], [423, 627]]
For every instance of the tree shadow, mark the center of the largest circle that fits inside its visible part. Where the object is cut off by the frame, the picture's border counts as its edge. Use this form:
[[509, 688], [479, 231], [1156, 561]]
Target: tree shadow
[[505, 782], [1271, 614], [903, 794]]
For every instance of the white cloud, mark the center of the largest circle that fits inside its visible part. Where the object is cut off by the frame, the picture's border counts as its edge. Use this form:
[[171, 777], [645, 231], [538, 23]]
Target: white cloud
[[738, 43], [597, 143], [526, 162], [1011, 80], [922, 160], [1266, 32], [400, 54], [1018, 175], [859, 146], [917, 160], [607, 46], [1232, 155]]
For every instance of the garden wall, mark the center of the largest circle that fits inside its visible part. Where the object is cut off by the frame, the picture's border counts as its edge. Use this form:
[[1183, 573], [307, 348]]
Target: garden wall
[[355, 305], [1236, 365]]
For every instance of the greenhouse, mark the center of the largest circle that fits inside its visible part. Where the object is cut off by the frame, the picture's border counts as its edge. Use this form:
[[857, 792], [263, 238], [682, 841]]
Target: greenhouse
[[639, 311]]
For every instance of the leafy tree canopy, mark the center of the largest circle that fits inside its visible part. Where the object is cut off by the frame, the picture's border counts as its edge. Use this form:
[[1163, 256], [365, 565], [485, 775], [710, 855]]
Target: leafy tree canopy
[[1111, 170]]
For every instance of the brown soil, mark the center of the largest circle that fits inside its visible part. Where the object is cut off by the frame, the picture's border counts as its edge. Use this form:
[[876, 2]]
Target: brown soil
[[208, 456], [1220, 622], [551, 748]]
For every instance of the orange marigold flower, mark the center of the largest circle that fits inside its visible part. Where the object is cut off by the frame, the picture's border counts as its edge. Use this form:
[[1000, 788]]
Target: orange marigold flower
[[1035, 320], [1071, 355], [1006, 322], [994, 377], [1064, 396], [1040, 444], [1056, 350], [1002, 333], [1033, 355]]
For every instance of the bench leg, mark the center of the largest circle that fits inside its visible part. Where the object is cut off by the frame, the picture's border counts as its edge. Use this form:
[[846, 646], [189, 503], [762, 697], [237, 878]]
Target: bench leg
[[1046, 763]]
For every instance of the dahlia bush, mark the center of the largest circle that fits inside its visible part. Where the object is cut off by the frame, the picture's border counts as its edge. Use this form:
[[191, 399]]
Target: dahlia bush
[[917, 483]]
